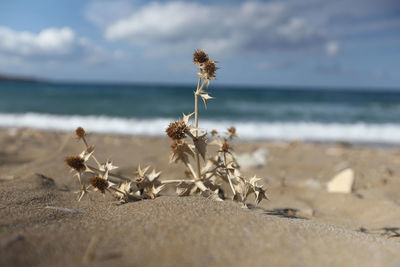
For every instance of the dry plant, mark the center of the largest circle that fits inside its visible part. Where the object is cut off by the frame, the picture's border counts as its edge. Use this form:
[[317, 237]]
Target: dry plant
[[100, 176], [205, 176], [207, 179]]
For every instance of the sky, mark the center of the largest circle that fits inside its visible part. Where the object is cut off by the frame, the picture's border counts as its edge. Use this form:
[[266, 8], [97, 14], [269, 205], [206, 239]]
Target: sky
[[341, 43]]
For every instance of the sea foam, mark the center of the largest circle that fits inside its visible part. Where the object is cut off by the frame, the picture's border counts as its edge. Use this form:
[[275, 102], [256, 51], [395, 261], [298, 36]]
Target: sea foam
[[388, 133]]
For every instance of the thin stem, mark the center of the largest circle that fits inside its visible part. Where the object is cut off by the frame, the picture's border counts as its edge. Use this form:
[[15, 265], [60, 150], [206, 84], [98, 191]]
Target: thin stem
[[229, 178], [116, 190], [209, 177], [196, 123], [201, 87], [191, 170], [97, 162], [87, 146], [86, 143], [111, 174], [176, 181], [196, 119]]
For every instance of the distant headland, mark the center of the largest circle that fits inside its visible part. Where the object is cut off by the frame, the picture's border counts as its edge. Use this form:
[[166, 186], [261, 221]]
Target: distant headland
[[17, 78]]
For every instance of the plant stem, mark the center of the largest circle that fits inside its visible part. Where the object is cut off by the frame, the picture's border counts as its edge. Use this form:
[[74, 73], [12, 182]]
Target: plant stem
[[87, 146], [111, 174], [197, 180], [191, 170], [176, 181], [119, 191], [228, 176], [196, 123]]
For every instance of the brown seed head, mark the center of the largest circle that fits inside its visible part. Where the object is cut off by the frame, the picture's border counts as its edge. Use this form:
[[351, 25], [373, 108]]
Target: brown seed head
[[99, 183], [232, 130], [76, 162], [176, 130], [200, 57], [210, 69], [225, 147], [80, 132], [214, 132]]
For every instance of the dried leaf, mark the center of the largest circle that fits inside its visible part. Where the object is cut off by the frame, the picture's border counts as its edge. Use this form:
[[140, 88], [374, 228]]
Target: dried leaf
[[205, 96], [186, 118], [242, 188], [87, 153], [201, 145], [260, 194], [186, 189], [125, 188], [141, 172], [180, 152], [108, 166], [153, 192], [253, 181], [153, 175]]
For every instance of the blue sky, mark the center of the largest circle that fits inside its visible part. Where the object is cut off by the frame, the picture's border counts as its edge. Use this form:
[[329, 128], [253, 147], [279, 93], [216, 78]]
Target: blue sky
[[339, 43]]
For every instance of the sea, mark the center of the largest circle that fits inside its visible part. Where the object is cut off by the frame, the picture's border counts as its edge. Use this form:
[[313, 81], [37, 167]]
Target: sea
[[309, 114]]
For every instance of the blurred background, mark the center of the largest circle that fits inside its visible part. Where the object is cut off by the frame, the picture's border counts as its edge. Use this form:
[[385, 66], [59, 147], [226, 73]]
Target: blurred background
[[290, 70]]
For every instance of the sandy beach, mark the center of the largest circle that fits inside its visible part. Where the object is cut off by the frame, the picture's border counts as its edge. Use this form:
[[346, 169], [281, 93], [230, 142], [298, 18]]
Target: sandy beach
[[300, 225]]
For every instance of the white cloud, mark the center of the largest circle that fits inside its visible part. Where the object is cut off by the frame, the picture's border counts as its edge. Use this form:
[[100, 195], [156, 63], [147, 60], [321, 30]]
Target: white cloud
[[50, 44], [47, 42], [332, 47], [250, 26]]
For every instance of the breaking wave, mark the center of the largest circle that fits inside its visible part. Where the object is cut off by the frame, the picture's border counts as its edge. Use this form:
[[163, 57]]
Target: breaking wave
[[387, 133]]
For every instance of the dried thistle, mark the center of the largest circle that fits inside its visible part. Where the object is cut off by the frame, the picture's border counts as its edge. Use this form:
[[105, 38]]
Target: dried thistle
[[76, 162], [232, 132], [101, 177], [209, 70], [80, 133], [223, 167], [176, 130], [200, 57], [99, 183], [225, 147]]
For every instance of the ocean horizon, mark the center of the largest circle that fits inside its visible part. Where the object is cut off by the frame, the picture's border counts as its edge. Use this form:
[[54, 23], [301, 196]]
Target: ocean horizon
[[259, 113]]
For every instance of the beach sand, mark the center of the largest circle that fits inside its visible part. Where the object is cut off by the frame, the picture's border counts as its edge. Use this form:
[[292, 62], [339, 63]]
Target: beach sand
[[301, 225]]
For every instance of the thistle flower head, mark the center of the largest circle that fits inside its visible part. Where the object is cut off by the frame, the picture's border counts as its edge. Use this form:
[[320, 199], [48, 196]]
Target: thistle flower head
[[214, 132], [176, 130], [225, 147], [76, 162], [232, 130], [99, 183], [200, 57], [80, 133], [210, 69]]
